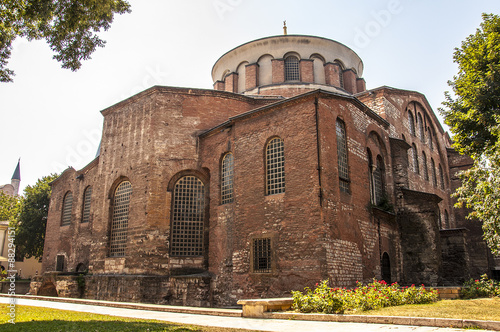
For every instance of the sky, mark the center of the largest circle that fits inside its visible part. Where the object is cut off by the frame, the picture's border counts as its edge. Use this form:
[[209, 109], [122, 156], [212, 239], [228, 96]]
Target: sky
[[50, 117]]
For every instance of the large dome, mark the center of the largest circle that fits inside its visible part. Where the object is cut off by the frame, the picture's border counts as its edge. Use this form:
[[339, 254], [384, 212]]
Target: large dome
[[287, 65]]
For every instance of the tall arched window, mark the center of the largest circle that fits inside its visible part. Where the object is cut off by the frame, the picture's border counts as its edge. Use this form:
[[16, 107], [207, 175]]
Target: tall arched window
[[424, 166], [227, 176], [119, 219], [341, 73], [416, 168], [411, 123], [433, 170], [67, 208], [429, 134], [441, 177], [343, 165], [292, 72], [378, 181], [420, 123], [86, 204], [446, 220], [188, 217], [275, 166]]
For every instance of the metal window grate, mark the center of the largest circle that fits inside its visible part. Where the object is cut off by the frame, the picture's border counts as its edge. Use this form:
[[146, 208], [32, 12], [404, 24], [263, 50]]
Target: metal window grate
[[430, 139], [341, 74], [433, 170], [378, 182], [441, 177], [188, 217], [420, 127], [119, 222], [424, 165], [292, 69], [275, 167], [416, 167], [86, 204], [411, 123], [227, 176], [67, 207], [342, 156], [262, 255]]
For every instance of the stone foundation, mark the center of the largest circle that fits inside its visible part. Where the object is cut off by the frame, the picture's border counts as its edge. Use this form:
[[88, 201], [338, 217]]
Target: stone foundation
[[192, 290]]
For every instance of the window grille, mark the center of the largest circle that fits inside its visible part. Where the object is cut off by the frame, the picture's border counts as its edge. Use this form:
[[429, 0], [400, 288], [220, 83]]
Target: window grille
[[119, 221], [292, 69], [275, 167], [227, 177], [188, 217], [342, 156], [341, 74], [441, 177], [67, 207], [262, 255], [433, 170], [411, 123], [378, 181], [420, 127], [86, 204], [416, 167], [430, 139], [424, 165]]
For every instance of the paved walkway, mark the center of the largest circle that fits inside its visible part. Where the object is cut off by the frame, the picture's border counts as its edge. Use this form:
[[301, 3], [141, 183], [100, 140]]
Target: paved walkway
[[234, 322]]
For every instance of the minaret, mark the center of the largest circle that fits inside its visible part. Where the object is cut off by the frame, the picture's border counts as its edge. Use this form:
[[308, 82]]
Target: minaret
[[16, 178]]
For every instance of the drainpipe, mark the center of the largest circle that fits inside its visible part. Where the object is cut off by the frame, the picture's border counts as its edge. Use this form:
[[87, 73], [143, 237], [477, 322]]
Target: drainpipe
[[318, 150]]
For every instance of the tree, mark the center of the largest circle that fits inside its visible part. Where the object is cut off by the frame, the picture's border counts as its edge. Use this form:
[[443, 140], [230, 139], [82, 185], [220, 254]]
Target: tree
[[9, 207], [70, 27], [32, 221], [474, 120]]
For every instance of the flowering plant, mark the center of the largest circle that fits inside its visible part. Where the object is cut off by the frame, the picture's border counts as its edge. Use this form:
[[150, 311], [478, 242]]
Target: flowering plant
[[374, 295], [482, 287]]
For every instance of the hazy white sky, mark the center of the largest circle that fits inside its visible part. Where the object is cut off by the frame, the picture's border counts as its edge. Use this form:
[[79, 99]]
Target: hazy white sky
[[50, 117]]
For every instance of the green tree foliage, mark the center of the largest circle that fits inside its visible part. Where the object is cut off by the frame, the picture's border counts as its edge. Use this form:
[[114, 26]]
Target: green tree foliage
[[70, 27], [474, 119], [9, 207], [30, 226]]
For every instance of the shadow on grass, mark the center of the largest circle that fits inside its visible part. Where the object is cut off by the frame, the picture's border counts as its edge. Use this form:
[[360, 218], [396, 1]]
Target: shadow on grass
[[92, 326]]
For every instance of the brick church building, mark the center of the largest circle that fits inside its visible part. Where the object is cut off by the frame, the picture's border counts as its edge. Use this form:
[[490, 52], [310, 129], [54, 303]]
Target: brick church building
[[288, 172]]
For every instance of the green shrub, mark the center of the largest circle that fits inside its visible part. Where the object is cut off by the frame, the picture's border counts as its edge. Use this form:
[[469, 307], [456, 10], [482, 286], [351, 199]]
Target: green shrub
[[377, 294], [483, 287]]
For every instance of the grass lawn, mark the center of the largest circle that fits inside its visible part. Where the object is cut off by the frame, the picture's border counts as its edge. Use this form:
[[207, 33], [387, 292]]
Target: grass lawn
[[480, 309], [53, 320]]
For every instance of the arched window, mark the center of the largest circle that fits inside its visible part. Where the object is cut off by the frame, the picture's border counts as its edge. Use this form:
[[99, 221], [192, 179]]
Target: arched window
[[86, 204], [341, 73], [188, 217], [292, 68], [416, 168], [343, 165], [378, 181], [67, 208], [429, 134], [227, 176], [275, 166], [441, 177], [433, 170], [424, 166], [411, 123], [420, 123], [119, 219]]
